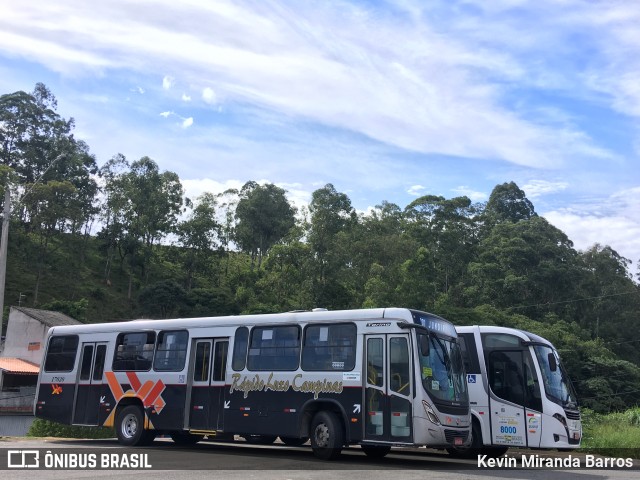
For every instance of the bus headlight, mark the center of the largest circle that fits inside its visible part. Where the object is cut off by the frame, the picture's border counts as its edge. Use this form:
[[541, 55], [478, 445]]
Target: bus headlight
[[563, 421], [431, 415]]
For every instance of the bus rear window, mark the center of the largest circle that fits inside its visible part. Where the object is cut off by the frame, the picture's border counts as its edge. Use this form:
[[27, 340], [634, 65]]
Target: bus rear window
[[61, 354]]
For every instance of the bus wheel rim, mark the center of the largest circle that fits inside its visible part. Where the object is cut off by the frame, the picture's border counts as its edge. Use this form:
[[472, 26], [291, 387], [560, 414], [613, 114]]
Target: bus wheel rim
[[322, 435], [129, 426]]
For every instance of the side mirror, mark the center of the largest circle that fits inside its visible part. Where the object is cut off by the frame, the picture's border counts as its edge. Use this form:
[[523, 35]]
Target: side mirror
[[553, 365], [424, 345]]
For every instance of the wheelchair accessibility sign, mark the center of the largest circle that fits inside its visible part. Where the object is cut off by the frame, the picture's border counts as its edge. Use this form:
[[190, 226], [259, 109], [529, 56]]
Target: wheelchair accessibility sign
[[471, 378]]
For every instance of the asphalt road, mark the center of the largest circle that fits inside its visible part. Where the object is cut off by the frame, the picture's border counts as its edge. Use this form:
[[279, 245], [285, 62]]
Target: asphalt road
[[239, 460]]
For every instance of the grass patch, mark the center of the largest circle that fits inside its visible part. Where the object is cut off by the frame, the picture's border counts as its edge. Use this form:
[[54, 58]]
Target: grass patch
[[616, 434], [46, 428]]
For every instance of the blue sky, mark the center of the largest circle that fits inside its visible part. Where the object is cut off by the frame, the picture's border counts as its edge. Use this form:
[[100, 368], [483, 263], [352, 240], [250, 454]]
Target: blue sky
[[386, 100]]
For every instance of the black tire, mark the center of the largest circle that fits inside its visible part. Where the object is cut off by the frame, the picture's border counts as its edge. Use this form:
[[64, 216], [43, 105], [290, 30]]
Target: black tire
[[185, 438], [472, 450], [129, 427], [294, 441], [494, 452], [327, 437], [375, 451], [260, 439]]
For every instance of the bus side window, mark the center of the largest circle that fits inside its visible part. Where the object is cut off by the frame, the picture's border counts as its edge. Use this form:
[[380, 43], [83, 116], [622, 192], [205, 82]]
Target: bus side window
[[61, 354], [240, 345], [469, 352], [329, 347], [134, 351], [274, 348], [171, 351], [534, 400], [506, 377]]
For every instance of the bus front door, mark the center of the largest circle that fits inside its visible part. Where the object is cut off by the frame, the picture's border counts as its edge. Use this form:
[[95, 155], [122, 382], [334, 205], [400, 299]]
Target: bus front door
[[89, 399], [208, 381], [387, 405], [507, 398]]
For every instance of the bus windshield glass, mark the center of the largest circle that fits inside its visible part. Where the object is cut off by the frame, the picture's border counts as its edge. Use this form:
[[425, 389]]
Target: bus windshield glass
[[556, 382], [442, 371]]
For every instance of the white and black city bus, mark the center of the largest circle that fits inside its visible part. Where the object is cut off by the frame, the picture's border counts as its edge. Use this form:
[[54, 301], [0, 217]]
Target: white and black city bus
[[374, 377], [520, 395]]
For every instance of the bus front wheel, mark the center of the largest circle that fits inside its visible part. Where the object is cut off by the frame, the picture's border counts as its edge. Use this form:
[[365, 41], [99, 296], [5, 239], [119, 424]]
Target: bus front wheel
[[130, 427], [327, 437]]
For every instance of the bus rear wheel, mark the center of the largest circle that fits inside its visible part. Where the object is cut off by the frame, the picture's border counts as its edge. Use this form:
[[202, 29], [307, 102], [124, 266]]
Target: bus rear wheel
[[130, 427], [327, 437]]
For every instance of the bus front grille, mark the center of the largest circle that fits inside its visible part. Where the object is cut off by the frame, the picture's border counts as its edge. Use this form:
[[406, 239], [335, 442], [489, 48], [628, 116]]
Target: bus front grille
[[572, 415]]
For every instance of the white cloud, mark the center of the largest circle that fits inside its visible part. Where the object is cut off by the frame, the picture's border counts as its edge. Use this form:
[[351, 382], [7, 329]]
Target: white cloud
[[537, 188], [166, 114], [472, 194], [440, 90], [186, 98], [416, 190], [613, 221], [167, 82], [209, 96], [187, 122], [197, 186]]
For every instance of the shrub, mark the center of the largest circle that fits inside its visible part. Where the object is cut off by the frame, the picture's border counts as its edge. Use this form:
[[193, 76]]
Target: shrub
[[46, 428]]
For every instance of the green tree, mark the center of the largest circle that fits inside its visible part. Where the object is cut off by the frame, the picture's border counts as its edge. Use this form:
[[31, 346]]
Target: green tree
[[529, 262], [162, 299], [508, 203], [198, 235], [332, 216], [143, 204], [448, 231], [264, 217]]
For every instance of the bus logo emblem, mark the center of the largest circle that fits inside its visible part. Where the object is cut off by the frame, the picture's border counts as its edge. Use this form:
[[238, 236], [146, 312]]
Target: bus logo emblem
[[56, 389]]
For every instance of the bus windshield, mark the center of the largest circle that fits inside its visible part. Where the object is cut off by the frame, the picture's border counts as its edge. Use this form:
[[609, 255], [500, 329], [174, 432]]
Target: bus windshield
[[556, 382], [442, 370]]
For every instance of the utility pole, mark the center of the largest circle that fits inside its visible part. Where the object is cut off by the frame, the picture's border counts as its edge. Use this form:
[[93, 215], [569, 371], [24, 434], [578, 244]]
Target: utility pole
[[4, 240]]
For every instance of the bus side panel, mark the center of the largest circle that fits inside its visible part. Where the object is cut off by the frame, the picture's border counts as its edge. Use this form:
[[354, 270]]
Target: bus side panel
[[164, 404], [55, 402], [278, 413], [171, 416]]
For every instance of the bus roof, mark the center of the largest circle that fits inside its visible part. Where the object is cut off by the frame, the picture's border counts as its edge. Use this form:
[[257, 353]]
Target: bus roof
[[523, 334], [318, 315]]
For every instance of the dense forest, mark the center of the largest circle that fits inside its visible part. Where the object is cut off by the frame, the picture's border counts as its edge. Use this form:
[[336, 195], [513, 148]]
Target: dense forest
[[121, 241]]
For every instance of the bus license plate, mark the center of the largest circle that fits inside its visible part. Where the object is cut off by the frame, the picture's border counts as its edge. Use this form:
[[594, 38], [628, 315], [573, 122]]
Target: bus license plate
[[457, 441]]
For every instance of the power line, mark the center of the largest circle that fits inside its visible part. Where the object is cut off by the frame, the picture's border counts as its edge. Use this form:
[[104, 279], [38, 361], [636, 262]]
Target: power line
[[572, 301], [610, 395]]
